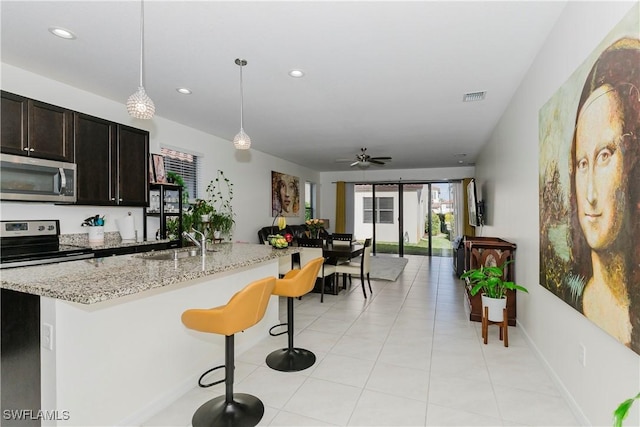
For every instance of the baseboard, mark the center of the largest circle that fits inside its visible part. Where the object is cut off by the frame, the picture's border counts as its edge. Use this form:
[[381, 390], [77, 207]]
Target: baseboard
[[568, 397]]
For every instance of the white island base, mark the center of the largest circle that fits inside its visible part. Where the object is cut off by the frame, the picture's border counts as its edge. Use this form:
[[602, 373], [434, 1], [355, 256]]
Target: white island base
[[121, 361]]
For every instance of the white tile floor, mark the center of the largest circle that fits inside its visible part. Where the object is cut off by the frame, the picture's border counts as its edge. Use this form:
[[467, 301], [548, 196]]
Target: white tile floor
[[406, 356]]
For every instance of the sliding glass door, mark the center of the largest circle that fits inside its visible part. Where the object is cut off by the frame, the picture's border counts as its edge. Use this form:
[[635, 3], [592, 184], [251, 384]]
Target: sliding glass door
[[416, 218]]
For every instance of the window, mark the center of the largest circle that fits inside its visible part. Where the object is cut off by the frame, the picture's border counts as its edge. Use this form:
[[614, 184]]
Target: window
[[184, 164], [384, 210], [309, 200]]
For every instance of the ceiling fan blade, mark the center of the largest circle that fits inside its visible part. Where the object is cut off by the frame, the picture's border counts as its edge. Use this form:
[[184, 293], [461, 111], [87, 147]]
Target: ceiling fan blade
[[376, 162], [355, 163], [381, 158]]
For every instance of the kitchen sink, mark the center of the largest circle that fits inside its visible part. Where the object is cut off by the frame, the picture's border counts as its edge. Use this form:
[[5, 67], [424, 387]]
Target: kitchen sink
[[173, 255]]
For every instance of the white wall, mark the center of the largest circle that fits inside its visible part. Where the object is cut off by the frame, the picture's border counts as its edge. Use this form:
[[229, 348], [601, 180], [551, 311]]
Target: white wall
[[507, 174], [250, 172]]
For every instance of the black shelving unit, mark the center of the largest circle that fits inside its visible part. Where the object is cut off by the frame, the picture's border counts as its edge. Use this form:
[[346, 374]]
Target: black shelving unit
[[165, 202]]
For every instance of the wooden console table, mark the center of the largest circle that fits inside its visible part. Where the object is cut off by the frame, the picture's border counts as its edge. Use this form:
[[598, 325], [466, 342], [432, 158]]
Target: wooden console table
[[490, 251]]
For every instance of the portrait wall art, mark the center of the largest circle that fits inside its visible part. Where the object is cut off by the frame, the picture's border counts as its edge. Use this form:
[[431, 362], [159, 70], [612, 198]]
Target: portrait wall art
[[589, 182], [285, 194]]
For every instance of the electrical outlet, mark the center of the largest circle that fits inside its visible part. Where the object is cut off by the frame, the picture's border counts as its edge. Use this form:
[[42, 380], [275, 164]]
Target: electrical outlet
[[582, 355], [46, 336]]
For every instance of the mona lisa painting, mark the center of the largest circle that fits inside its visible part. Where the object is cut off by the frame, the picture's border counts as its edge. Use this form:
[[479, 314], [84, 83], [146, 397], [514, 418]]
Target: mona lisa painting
[[589, 180]]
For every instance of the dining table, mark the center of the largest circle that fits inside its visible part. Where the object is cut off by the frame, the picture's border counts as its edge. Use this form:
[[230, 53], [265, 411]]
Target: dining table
[[341, 250]]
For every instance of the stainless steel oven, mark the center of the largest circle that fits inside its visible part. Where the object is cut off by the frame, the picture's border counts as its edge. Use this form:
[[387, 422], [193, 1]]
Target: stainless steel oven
[[38, 180], [24, 243]]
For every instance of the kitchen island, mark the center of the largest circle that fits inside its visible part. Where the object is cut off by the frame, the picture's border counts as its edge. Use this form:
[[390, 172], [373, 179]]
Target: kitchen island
[[114, 350]]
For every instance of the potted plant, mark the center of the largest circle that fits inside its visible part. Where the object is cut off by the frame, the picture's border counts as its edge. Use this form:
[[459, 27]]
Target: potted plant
[[490, 280], [197, 215], [176, 178], [221, 224], [219, 196]]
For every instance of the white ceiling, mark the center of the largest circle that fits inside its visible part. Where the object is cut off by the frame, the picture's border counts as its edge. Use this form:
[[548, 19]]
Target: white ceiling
[[389, 76]]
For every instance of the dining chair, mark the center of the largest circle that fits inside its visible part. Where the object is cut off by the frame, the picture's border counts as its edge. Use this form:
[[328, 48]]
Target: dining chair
[[344, 239], [311, 249], [341, 238], [361, 268]]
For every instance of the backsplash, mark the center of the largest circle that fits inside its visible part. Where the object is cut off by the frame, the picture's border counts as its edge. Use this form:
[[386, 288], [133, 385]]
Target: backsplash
[[112, 239]]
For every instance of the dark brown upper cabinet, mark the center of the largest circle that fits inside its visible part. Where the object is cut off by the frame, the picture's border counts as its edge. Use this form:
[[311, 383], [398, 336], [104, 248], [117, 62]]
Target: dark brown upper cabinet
[[36, 129], [112, 162], [133, 166]]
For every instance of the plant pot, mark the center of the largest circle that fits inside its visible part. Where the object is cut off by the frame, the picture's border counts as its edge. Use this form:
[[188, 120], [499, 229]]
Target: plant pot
[[217, 234], [204, 218], [496, 307]]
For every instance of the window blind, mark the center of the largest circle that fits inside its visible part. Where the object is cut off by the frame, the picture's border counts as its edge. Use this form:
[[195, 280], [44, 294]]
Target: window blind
[[184, 164]]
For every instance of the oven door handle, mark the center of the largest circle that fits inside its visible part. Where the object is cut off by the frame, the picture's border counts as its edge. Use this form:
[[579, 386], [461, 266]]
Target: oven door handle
[[63, 181]]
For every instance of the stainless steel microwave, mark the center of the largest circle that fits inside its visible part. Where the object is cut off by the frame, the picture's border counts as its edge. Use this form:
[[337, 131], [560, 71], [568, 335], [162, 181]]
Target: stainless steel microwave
[[37, 180]]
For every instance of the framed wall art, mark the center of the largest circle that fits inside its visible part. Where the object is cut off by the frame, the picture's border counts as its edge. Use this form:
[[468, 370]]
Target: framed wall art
[[589, 186], [158, 168], [285, 195]]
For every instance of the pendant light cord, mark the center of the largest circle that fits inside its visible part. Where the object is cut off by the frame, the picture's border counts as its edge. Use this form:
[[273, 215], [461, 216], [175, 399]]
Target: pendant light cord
[[241, 98], [141, 39]]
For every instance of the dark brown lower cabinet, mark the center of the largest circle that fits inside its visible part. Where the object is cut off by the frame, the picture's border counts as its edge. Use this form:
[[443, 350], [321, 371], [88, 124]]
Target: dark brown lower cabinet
[[20, 353]]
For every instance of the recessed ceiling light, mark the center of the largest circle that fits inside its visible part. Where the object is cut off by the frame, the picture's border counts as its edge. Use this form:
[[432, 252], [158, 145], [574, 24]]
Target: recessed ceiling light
[[296, 73], [62, 33], [184, 90]]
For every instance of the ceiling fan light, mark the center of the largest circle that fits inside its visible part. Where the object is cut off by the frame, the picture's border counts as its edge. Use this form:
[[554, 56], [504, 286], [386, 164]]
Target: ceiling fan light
[[140, 106], [242, 141], [364, 164]]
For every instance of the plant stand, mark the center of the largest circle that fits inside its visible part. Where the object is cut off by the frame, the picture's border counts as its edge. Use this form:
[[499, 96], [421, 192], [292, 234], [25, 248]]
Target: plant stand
[[504, 326]]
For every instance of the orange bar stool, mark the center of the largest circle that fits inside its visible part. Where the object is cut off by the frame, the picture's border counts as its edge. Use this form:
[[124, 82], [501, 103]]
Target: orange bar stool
[[294, 284], [244, 309]]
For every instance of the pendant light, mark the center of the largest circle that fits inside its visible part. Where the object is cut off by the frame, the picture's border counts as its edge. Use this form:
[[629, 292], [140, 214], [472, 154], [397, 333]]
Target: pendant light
[[241, 140], [139, 105]]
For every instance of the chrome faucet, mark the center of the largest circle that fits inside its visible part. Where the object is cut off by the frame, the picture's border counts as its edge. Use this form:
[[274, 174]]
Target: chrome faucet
[[201, 244]]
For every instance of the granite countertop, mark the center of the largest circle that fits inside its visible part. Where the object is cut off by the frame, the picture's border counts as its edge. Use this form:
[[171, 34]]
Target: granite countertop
[[95, 280]]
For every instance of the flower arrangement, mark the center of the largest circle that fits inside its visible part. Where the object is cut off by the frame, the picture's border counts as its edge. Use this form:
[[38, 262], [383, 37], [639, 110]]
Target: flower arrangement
[[314, 225]]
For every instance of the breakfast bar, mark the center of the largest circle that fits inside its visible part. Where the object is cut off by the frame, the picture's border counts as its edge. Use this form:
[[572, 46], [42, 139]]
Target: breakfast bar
[[113, 349]]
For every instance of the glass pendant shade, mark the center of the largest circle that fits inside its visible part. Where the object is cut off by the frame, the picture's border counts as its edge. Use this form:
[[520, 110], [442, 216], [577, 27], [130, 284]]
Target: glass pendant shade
[[140, 106], [242, 141]]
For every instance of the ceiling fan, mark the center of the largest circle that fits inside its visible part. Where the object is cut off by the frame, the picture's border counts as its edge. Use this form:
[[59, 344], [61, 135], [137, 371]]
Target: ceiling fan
[[363, 160]]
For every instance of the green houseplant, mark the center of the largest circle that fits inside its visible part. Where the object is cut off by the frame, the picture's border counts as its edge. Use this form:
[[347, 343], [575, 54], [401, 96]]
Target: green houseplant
[[219, 196], [197, 212], [622, 411], [490, 280], [176, 178]]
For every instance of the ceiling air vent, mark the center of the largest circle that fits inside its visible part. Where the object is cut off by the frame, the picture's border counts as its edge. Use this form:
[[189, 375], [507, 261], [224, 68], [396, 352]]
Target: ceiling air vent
[[474, 96]]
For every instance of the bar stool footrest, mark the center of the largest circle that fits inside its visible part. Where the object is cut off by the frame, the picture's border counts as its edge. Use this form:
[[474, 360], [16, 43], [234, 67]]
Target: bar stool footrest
[[213, 383], [279, 333], [291, 360], [243, 410]]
